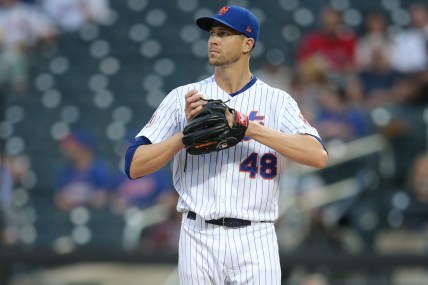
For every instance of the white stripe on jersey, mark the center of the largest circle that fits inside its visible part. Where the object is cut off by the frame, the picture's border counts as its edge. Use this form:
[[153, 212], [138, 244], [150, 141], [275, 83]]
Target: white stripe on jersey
[[239, 182]]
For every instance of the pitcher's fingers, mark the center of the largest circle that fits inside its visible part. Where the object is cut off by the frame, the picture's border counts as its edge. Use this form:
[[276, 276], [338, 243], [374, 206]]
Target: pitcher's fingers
[[194, 112], [190, 94]]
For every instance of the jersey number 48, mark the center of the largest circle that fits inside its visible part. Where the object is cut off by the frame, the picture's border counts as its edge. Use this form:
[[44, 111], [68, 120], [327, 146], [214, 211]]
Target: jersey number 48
[[267, 166]]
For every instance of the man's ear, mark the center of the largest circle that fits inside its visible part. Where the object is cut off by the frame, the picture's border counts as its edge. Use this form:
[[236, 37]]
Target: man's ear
[[248, 45]]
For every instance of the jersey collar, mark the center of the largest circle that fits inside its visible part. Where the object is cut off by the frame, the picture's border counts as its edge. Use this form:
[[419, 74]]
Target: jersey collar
[[248, 85]]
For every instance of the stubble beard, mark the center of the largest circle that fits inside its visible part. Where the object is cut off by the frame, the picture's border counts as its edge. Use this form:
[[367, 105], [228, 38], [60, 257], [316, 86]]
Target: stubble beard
[[223, 60]]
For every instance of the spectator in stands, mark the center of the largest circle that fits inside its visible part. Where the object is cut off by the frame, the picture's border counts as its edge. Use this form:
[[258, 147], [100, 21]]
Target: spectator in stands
[[22, 27], [410, 57], [85, 179], [332, 43], [336, 119], [164, 236], [416, 214], [374, 39], [306, 84], [379, 82], [71, 15], [409, 51], [144, 192]]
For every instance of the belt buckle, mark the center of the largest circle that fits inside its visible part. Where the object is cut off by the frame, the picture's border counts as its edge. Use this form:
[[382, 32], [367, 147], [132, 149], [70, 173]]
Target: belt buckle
[[222, 222]]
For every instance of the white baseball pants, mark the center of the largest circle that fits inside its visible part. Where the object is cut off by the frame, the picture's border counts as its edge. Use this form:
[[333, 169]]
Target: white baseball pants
[[211, 254]]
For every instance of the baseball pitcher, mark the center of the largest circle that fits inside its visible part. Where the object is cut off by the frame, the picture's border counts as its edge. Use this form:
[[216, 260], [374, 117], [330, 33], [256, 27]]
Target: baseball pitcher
[[229, 136]]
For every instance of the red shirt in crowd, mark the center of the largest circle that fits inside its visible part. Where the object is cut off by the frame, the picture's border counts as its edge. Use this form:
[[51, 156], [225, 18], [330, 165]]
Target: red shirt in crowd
[[338, 51]]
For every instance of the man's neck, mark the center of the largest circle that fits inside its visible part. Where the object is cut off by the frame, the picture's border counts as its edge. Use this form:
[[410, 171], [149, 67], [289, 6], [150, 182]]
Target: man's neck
[[232, 80]]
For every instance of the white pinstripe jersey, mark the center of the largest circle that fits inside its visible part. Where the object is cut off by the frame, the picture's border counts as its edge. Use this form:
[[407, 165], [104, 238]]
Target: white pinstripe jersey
[[239, 182]]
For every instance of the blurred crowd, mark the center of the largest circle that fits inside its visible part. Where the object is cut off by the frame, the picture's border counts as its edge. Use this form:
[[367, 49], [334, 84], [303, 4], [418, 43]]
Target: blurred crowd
[[25, 25], [86, 180], [350, 83]]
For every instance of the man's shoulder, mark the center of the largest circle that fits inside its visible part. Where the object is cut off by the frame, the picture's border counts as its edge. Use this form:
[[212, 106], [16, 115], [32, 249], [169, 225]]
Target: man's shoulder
[[196, 85], [270, 89]]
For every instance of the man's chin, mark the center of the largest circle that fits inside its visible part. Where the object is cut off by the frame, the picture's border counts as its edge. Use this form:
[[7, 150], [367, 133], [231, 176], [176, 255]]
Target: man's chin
[[214, 62]]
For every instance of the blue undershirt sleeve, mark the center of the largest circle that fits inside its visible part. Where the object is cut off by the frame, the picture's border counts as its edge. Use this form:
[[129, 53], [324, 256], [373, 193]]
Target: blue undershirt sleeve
[[320, 140], [131, 151]]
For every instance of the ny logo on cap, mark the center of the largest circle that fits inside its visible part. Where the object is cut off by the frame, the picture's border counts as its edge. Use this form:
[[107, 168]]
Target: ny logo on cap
[[223, 10], [248, 29]]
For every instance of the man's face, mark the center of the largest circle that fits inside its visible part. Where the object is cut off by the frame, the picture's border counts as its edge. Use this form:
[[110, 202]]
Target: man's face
[[225, 45], [419, 16], [330, 21]]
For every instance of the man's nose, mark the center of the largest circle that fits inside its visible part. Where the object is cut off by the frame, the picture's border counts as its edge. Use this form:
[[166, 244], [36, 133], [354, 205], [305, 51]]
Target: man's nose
[[213, 39]]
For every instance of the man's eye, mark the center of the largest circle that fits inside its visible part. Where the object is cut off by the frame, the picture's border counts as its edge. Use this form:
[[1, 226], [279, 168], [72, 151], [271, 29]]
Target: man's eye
[[220, 33]]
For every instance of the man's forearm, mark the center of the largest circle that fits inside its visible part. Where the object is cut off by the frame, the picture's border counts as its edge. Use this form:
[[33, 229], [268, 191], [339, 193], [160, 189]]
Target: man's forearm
[[303, 149], [151, 157]]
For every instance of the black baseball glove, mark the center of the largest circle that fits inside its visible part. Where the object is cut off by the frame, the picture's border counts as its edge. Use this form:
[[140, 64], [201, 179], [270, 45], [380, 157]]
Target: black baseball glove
[[209, 130]]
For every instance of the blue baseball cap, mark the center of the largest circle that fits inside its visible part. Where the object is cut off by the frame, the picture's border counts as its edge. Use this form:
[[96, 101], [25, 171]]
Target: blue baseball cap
[[235, 17], [79, 138]]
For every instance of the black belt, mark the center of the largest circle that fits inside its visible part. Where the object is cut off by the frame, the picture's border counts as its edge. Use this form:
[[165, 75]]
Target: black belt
[[225, 222]]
